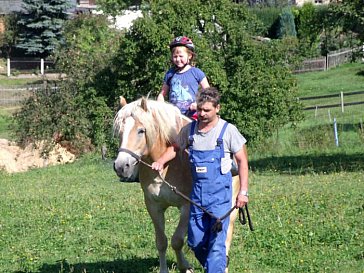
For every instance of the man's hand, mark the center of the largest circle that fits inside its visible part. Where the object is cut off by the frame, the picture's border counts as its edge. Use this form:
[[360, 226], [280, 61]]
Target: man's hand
[[157, 166], [241, 200]]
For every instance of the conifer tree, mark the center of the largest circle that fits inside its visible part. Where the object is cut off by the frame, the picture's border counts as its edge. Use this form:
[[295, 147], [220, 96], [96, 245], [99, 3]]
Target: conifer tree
[[41, 25], [286, 25]]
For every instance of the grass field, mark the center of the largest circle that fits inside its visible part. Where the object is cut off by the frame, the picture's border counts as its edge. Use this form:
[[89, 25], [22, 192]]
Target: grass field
[[6, 81], [347, 77], [79, 218], [306, 202]]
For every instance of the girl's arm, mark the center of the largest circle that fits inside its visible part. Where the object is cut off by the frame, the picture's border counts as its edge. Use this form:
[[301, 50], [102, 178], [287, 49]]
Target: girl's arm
[[163, 93], [204, 83]]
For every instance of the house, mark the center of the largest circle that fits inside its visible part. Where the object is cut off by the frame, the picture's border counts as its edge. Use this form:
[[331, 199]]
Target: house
[[9, 6], [315, 2]]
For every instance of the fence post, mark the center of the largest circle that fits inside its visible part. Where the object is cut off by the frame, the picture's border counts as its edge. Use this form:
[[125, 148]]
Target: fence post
[[42, 66], [329, 115], [342, 102], [8, 66], [336, 134]]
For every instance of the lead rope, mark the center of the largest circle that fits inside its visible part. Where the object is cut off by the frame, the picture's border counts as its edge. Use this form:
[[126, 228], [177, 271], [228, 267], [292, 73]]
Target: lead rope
[[217, 227]]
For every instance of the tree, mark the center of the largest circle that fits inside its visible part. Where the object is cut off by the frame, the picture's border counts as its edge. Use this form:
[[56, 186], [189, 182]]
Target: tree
[[76, 114], [286, 25], [258, 91], [309, 28], [351, 14], [259, 94], [41, 26], [8, 38]]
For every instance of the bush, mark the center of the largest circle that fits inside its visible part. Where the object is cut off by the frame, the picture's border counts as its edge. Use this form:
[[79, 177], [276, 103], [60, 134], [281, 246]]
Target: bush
[[320, 136], [79, 113]]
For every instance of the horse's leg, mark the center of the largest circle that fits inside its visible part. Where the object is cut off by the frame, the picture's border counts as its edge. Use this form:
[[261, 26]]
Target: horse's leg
[[158, 219], [178, 237], [233, 217]]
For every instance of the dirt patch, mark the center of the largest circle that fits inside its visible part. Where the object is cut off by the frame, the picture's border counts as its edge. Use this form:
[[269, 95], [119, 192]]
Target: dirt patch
[[15, 159]]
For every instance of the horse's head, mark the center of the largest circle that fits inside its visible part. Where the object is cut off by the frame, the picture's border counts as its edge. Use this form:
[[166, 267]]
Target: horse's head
[[145, 128]]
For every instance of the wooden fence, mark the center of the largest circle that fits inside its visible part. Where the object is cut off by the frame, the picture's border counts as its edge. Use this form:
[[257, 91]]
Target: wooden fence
[[28, 66], [332, 60]]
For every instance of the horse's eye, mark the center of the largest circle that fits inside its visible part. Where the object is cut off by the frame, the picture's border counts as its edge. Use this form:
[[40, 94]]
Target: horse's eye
[[141, 131]]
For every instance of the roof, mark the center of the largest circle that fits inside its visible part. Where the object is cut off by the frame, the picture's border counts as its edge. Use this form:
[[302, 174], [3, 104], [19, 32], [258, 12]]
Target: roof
[[9, 6]]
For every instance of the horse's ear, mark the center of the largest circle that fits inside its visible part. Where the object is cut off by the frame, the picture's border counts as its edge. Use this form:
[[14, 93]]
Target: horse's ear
[[122, 101], [143, 104]]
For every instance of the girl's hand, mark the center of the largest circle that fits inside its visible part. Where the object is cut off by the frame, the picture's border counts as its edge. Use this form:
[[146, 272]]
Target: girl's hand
[[193, 106]]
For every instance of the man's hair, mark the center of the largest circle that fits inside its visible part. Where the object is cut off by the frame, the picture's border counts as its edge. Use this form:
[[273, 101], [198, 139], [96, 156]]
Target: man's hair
[[210, 94]]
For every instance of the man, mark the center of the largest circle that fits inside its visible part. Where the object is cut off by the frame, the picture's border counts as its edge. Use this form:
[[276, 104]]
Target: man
[[211, 143]]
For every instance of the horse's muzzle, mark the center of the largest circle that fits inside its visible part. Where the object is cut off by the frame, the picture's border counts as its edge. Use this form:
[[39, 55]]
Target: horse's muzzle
[[127, 171]]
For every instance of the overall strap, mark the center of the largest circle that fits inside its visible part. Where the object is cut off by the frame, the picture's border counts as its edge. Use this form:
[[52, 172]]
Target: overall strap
[[219, 141], [190, 137]]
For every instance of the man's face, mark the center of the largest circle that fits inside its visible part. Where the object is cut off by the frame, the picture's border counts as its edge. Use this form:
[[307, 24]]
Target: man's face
[[207, 112]]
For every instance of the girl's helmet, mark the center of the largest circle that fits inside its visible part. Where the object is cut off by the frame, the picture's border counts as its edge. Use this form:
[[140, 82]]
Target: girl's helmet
[[182, 41]]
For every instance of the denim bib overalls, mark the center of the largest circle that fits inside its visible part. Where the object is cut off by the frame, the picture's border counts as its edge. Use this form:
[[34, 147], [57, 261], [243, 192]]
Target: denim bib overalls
[[211, 190]]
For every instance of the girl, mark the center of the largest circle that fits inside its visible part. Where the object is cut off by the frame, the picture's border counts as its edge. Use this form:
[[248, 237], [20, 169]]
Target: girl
[[181, 82]]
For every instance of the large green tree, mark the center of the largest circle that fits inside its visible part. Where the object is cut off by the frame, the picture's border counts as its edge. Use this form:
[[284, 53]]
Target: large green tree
[[41, 25], [258, 91]]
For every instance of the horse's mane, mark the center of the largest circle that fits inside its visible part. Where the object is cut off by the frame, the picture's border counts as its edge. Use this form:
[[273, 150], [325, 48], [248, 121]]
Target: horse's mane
[[160, 119]]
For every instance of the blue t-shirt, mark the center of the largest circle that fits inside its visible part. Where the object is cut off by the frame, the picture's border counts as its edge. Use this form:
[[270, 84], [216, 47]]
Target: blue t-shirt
[[183, 87]]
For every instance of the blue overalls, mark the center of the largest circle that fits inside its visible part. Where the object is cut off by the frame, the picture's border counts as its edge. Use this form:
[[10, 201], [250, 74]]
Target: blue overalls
[[211, 190]]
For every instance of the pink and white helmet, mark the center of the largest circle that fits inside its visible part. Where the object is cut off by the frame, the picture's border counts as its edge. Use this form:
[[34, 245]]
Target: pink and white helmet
[[182, 41]]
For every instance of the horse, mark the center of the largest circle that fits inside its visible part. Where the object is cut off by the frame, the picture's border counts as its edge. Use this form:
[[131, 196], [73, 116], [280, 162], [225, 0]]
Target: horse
[[145, 129]]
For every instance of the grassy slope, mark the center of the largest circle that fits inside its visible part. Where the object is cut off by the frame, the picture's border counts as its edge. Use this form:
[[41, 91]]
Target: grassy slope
[[315, 135], [348, 77], [78, 218]]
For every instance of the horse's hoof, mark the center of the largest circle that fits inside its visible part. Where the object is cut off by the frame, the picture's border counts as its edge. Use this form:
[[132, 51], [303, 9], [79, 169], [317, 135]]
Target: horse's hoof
[[188, 270]]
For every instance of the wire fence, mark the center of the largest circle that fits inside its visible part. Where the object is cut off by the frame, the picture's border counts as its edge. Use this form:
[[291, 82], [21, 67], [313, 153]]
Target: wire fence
[[13, 96], [342, 99]]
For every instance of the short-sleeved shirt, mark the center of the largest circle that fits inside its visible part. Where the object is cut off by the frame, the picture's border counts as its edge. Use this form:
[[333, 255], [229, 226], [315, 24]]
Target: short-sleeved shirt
[[232, 139], [183, 87]]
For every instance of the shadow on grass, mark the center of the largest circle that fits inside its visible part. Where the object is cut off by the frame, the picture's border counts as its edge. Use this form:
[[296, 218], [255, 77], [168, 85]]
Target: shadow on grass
[[134, 265], [309, 164]]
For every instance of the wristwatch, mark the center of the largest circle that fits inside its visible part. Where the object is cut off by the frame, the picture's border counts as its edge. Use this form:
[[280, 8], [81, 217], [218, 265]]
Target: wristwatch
[[245, 193]]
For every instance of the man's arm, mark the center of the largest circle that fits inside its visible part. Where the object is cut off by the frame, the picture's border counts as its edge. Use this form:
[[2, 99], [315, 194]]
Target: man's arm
[[243, 170], [168, 155]]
